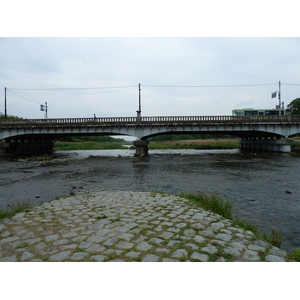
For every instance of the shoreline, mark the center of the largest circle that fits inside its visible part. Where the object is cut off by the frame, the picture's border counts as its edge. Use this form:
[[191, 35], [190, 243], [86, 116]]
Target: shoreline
[[128, 226]]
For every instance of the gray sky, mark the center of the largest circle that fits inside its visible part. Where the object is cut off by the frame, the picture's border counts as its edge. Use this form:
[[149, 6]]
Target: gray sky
[[101, 75], [188, 75]]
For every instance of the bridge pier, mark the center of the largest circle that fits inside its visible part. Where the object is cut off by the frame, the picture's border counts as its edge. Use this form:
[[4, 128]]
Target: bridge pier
[[266, 145], [141, 147], [25, 147]]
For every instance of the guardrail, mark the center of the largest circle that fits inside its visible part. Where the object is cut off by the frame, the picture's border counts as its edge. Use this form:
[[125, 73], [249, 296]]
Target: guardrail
[[150, 120]]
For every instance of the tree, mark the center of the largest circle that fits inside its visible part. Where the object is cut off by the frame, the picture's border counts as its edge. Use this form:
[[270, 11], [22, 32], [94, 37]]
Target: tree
[[295, 106]]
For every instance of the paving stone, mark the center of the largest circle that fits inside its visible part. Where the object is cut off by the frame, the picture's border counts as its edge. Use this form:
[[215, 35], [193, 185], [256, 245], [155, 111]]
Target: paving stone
[[173, 242], [189, 232], [180, 253], [51, 238], [169, 260], [26, 255], [199, 239], [156, 240], [144, 246], [198, 216], [60, 242], [210, 249], [12, 258], [78, 255], [133, 254], [251, 255], [6, 234], [126, 236], [166, 235], [110, 241], [150, 258], [96, 248], [9, 239], [60, 256], [164, 250], [224, 236], [98, 258], [96, 238], [198, 256], [274, 258], [124, 245], [193, 246]]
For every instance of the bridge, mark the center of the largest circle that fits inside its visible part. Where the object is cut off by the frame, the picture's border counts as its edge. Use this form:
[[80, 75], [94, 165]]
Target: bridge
[[263, 133]]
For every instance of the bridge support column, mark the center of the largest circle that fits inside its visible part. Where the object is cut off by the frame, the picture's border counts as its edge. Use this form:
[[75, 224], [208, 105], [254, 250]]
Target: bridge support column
[[279, 145], [141, 147]]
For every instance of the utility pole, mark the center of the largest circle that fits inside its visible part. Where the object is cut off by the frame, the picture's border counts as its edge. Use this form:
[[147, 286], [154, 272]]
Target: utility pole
[[279, 95], [140, 109], [45, 109], [5, 107]]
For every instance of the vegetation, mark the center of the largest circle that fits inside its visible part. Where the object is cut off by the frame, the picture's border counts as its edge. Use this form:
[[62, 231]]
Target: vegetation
[[197, 144], [87, 146], [14, 209], [9, 117], [295, 255], [295, 106], [214, 203], [98, 139], [89, 143], [182, 137], [224, 208]]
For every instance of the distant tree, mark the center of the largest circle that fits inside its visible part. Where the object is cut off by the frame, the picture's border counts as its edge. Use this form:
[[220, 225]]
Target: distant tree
[[8, 117], [295, 106]]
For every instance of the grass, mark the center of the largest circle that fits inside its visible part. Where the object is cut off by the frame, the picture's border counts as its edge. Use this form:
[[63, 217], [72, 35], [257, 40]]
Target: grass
[[14, 209], [295, 255], [87, 146], [197, 144], [224, 208], [214, 203]]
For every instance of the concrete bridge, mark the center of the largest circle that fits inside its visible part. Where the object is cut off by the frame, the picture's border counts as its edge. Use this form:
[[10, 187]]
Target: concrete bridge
[[260, 133]]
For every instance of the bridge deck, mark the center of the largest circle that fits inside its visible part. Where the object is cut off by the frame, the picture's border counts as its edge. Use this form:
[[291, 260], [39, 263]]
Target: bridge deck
[[127, 121]]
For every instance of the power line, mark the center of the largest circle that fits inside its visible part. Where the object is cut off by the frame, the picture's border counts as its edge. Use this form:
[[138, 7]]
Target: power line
[[210, 86], [61, 89], [22, 97]]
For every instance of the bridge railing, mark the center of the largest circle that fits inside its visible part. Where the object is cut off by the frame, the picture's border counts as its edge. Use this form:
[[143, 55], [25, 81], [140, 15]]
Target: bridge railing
[[148, 120]]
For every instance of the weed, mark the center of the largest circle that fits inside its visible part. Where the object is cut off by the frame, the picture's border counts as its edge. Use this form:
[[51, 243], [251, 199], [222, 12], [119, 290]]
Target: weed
[[295, 255], [101, 217], [14, 209], [214, 203], [275, 238]]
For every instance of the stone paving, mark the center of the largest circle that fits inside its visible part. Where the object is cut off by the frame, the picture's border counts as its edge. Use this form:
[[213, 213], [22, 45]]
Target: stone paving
[[128, 226]]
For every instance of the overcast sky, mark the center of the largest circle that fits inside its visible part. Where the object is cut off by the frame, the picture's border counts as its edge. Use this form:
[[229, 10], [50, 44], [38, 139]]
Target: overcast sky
[[178, 76], [43, 60]]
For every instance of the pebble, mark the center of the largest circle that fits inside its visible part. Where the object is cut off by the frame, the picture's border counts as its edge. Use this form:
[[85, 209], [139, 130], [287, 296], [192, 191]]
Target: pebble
[[122, 226]]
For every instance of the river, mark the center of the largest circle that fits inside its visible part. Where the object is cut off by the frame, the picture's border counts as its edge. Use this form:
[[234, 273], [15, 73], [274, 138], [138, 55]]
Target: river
[[265, 187]]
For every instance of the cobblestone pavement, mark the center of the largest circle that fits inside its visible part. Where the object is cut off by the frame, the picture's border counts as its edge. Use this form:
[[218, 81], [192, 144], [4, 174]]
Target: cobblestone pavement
[[128, 226]]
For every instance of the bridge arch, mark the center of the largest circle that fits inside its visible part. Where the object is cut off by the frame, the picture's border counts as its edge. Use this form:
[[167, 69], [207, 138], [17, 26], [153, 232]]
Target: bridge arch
[[254, 127]]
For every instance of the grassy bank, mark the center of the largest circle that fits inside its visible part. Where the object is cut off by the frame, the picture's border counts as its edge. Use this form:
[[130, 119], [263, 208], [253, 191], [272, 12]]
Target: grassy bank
[[13, 209], [224, 208], [197, 144], [87, 145]]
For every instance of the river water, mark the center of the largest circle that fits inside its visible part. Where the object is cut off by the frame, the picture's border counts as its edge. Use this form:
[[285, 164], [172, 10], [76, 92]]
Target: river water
[[265, 187]]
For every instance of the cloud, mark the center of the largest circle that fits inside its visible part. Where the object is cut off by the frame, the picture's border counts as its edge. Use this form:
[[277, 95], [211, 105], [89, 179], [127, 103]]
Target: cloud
[[250, 68]]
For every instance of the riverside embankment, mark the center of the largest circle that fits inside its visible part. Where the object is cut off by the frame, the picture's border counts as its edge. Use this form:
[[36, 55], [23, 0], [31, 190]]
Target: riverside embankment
[[128, 226]]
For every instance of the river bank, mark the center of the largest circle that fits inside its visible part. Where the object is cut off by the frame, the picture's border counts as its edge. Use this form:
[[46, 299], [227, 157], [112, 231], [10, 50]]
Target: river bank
[[128, 226], [184, 144]]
